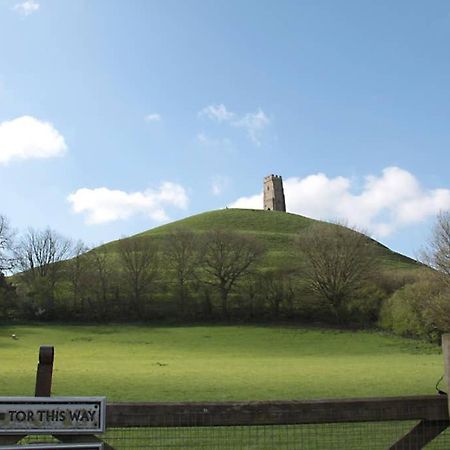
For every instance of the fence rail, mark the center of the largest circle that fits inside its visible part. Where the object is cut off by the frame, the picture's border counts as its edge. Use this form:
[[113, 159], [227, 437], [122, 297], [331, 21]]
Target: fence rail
[[394, 423], [430, 408]]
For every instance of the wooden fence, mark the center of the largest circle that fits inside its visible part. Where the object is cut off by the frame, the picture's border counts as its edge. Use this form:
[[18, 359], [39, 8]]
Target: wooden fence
[[431, 412]]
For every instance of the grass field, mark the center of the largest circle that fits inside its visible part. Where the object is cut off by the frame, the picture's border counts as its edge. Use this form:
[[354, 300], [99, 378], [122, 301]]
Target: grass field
[[276, 230], [140, 363]]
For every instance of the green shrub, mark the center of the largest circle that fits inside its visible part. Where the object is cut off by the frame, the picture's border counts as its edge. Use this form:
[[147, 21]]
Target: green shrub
[[414, 309]]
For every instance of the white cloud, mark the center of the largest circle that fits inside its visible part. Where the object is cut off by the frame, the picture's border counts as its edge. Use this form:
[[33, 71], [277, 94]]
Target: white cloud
[[154, 117], [102, 205], [27, 7], [386, 203], [219, 184], [253, 123], [217, 112], [27, 137], [251, 202]]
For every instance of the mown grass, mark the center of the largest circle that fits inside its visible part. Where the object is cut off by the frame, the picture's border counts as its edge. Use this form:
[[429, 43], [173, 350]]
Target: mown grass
[[142, 363]]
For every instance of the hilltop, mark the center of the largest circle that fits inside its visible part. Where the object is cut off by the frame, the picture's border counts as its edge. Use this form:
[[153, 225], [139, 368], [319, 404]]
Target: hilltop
[[277, 230]]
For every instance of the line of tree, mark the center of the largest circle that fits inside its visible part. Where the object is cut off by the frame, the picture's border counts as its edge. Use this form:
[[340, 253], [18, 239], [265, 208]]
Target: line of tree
[[56, 279], [221, 275]]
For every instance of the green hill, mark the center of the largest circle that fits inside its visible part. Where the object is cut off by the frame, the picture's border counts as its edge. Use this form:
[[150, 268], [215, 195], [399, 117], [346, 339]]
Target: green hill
[[124, 282], [277, 230]]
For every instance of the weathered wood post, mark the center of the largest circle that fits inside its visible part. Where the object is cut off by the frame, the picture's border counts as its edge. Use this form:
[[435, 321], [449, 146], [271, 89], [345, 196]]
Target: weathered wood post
[[446, 355], [44, 371]]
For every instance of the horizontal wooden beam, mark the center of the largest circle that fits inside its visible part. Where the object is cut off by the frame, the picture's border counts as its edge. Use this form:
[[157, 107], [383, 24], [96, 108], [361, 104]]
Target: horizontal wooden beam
[[276, 412]]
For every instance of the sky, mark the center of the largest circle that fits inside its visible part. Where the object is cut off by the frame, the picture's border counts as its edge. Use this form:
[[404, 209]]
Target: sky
[[116, 117]]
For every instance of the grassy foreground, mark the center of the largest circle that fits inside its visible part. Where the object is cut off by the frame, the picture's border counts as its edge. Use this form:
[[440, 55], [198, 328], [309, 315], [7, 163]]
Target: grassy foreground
[[140, 363]]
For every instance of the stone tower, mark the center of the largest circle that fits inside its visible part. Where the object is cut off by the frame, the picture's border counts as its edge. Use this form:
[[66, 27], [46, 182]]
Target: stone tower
[[274, 193]]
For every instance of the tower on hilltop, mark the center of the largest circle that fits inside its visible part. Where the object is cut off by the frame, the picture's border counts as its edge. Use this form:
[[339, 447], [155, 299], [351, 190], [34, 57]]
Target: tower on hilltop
[[274, 193]]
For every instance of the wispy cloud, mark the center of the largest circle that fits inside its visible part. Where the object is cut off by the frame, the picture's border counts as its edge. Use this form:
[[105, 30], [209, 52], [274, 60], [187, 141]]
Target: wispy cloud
[[27, 7], [217, 112], [219, 184], [253, 123], [27, 137], [154, 117], [103, 205], [387, 203]]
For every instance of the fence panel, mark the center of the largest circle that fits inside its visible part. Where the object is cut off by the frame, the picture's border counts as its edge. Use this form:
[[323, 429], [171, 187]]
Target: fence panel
[[337, 436], [351, 424]]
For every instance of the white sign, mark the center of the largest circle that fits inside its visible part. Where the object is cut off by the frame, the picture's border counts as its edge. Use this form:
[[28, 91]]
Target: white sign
[[34, 415]]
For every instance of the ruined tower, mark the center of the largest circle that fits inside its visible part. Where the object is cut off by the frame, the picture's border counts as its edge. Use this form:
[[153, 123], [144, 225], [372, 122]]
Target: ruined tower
[[274, 193]]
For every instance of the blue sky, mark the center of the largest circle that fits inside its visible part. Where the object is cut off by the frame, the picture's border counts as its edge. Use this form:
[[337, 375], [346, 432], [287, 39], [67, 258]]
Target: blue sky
[[118, 116]]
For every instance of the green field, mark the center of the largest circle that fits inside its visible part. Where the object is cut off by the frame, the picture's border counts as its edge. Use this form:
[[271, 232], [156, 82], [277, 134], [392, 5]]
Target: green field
[[143, 363]]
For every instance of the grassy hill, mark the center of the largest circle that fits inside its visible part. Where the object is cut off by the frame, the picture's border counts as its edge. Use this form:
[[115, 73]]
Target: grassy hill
[[277, 230]]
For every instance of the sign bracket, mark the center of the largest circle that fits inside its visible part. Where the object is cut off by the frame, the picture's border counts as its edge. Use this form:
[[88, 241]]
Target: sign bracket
[[43, 387]]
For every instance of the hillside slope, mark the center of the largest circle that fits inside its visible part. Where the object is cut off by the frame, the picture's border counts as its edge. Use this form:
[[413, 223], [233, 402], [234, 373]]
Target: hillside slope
[[277, 230]]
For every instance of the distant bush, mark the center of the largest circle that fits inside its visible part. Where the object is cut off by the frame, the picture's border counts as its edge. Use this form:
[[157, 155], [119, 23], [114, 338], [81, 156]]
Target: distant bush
[[391, 281], [420, 309], [8, 299], [363, 308]]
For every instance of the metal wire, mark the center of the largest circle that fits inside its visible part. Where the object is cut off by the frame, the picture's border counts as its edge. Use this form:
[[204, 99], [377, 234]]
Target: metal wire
[[370, 436], [336, 436]]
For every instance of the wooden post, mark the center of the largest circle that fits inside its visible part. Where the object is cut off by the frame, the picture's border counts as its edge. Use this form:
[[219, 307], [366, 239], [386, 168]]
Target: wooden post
[[44, 371], [43, 383], [446, 355]]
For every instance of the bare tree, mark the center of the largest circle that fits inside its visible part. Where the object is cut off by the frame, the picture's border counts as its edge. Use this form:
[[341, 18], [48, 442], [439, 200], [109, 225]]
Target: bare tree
[[8, 298], [251, 296], [40, 256], [101, 275], [40, 253], [7, 259], [278, 290], [181, 255], [338, 261], [437, 253], [226, 257], [78, 268], [434, 303], [7, 263], [138, 257]]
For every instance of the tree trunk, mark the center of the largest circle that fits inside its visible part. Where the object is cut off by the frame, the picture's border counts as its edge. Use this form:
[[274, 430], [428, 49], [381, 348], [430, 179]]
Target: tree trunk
[[224, 299]]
